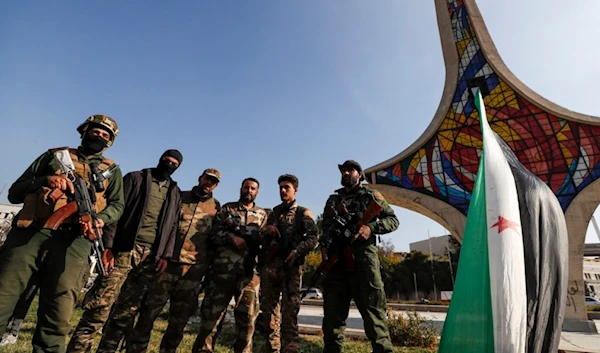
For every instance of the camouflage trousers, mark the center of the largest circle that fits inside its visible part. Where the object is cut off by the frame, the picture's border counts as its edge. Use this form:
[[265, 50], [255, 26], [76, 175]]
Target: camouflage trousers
[[100, 298], [280, 317], [222, 286], [123, 312], [181, 285]]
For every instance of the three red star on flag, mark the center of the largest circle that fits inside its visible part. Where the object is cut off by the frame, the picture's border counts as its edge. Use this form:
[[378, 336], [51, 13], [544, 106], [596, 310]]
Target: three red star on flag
[[504, 224]]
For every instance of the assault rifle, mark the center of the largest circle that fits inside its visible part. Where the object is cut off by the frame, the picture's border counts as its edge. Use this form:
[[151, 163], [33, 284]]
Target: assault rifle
[[81, 201], [284, 247], [96, 177], [251, 235], [338, 237]]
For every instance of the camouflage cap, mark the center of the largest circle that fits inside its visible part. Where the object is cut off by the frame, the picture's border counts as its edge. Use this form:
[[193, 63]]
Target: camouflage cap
[[213, 173]]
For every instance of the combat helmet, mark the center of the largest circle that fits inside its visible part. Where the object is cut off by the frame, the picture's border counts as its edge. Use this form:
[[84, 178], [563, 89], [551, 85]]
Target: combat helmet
[[102, 121]]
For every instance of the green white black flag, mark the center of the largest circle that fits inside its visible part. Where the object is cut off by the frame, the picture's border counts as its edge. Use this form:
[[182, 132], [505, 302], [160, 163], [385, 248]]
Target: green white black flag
[[511, 282]]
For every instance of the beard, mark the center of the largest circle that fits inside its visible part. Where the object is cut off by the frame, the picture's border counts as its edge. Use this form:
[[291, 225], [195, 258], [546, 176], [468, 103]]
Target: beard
[[349, 181], [247, 197], [201, 192], [205, 188]]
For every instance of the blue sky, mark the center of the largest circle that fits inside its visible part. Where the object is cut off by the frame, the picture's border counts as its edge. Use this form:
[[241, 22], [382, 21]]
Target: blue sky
[[264, 88]]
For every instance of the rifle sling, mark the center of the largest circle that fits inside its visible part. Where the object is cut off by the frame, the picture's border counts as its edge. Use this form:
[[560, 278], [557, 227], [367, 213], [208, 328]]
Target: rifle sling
[[297, 223]]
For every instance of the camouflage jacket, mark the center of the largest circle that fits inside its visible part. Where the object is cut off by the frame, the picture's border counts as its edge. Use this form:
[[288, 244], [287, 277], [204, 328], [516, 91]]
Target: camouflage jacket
[[385, 222], [227, 256], [305, 239], [195, 223]]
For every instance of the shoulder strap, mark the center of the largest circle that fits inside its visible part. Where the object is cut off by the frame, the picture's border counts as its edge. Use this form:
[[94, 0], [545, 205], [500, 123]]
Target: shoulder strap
[[298, 219], [276, 213], [186, 196], [104, 164], [52, 150], [107, 162]]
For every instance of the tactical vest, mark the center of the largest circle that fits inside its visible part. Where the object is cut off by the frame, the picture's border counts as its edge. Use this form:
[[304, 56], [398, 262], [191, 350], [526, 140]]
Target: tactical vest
[[296, 229], [364, 196], [296, 225], [37, 208]]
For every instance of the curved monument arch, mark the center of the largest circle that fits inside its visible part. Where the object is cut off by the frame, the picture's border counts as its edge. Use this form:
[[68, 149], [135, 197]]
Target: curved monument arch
[[435, 175], [447, 216]]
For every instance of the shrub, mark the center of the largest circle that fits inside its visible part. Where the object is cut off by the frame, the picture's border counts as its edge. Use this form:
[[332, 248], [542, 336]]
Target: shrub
[[411, 330]]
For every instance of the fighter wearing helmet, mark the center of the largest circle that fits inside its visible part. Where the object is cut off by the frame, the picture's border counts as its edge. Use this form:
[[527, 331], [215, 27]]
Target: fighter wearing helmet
[[103, 122], [58, 258]]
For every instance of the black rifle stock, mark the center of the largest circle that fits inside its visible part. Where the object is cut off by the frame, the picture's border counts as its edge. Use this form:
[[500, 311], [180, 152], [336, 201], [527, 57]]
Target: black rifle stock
[[283, 247], [338, 238], [251, 235]]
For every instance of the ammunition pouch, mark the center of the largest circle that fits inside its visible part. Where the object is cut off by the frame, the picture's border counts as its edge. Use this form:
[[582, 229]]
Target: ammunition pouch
[[38, 207]]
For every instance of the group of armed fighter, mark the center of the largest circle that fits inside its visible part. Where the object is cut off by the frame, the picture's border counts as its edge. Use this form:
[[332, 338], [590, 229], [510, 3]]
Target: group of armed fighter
[[154, 243]]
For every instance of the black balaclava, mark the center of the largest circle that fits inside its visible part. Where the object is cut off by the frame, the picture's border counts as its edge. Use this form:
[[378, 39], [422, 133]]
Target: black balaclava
[[164, 169]]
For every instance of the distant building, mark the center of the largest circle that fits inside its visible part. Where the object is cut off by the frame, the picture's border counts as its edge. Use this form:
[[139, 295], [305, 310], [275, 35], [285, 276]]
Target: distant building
[[7, 212], [591, 276], [439, 245]]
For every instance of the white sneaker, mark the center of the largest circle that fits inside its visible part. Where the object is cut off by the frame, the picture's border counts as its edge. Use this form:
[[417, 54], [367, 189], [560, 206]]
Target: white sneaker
[[8, 339]]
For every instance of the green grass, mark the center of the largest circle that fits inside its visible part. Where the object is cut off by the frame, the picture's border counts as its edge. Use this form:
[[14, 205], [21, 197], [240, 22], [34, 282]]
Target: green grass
[[310, 344]]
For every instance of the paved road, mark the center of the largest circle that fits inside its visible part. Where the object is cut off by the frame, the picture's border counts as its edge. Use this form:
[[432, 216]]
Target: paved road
[[313, 315], [570, 341]]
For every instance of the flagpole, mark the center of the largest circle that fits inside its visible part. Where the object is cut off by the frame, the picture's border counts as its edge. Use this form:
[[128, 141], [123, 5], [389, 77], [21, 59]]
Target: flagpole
[[416, 291], [445, 231], [432, 271], [450, 264]]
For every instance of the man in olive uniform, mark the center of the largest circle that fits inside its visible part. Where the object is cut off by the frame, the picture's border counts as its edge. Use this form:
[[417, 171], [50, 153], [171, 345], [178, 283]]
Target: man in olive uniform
[[236, 237], [20, 312], [182, 281], [364, 284], [21, 309], [152, 201], [290, 236], [59, 258], [151, 229]]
